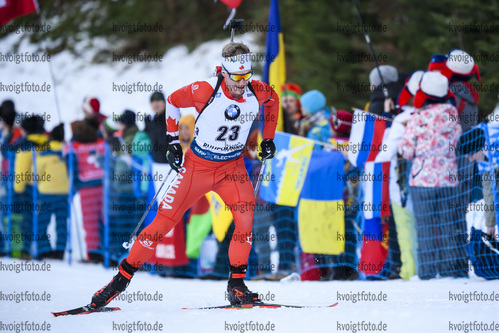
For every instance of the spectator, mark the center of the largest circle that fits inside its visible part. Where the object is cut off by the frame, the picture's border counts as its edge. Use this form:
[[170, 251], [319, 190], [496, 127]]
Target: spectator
[[127, 129], [437, 62], [487, 178], [123, 208], [156, 127], [411, 86], [393, 85], [473, 145], [57, 133], [186, 131], [340, 123], [433, 184], [9, 134], [88, 171], [291, 108], [402, 230], [459, 69], [401, 241], [51, 185], [316, 124], [335, 128], [141, 148], [32, 129], [93, 118]]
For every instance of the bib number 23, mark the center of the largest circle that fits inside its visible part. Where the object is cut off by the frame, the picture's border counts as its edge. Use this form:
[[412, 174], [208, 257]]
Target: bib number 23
[[232, 132]]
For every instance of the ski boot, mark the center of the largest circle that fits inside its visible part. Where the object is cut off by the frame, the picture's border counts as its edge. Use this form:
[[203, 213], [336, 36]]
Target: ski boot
[[237, 291], [117, 285]]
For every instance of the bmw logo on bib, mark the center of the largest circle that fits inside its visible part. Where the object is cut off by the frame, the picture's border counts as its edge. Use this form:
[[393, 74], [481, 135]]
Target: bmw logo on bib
[[232, 112]]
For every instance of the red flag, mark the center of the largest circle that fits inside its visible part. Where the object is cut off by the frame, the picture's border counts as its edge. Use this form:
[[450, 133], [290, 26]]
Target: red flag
[[233, 4], [374, 251], [10, 9]]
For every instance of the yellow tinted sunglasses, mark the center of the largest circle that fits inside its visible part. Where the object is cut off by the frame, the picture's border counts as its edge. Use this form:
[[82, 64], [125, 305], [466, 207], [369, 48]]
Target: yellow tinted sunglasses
[[239, 77]]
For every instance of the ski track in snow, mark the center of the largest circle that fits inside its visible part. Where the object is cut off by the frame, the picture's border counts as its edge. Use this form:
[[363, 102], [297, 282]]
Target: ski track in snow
[[411, 306]]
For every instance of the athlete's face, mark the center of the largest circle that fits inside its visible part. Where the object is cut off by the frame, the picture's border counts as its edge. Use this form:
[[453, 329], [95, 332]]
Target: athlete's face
[[236, 88]]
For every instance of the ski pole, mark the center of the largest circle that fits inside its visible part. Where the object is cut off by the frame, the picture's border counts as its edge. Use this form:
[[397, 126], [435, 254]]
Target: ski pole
[[127, 245], [260, 176], [371, 49]]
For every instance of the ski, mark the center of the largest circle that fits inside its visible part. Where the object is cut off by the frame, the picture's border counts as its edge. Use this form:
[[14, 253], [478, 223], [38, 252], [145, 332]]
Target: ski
[[261, 306], [84, 310]]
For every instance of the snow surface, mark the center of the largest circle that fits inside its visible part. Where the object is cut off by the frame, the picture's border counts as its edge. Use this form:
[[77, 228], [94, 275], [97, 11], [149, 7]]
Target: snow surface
[[411, 306]]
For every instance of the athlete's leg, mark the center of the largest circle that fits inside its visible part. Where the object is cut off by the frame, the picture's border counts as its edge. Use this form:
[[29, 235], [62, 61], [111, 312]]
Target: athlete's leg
[[193, 181], [234, 187]]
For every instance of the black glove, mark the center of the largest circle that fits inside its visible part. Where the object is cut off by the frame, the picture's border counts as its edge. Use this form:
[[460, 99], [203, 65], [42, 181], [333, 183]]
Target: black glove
[[268, 149], [174, 154]]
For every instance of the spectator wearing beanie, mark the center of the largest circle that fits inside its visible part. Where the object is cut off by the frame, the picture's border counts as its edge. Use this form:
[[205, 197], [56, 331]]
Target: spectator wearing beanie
[[433, 184], [32, 134], [10, 134], [316, 124], [392, 83], [57, 133], [284, 217], [459, 69], [402, 229], [51, 186], [8, 138], [411, 86], [92, 121], [402, 242], [156, 128], [121, 190], [93, 117], [437, 61], [341, 125], [291, 107], [127, 129]]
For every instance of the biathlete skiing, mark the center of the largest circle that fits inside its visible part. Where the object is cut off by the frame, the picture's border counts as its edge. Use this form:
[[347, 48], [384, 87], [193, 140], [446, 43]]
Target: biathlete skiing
[[219, 140]]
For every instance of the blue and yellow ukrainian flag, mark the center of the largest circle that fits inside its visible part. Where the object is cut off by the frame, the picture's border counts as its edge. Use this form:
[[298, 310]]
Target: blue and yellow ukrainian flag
[[274, 70], [321, 212], [284, 175]]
